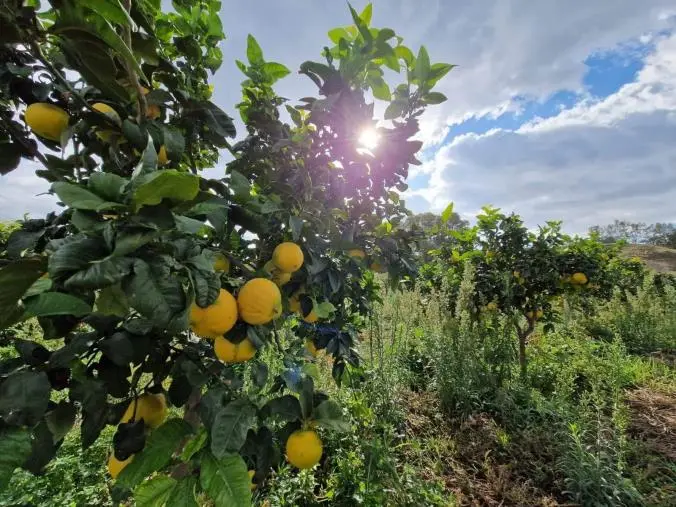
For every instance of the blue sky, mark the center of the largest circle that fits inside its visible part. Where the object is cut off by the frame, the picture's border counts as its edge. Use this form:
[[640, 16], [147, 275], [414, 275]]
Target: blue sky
[[557, 110]]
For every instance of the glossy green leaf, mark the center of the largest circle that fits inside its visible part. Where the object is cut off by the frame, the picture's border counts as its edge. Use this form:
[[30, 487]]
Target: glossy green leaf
[[15, 280], [23, 397], [183, 494], [61, 419], [154, 492], [329, 415], [422, 66], [254, 53], [55, 303], [286, 408], [108, 186], [226, 481], [111, 10], [447, 214], [160, 446], [74, 196], [169, 184], [434, 98], [231, 423]]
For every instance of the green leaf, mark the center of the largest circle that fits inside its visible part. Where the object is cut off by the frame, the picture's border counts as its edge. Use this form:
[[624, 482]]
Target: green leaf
[[405, 54], [15, 280], [23, 397], [111, 10], [158, 295], [10, 156], [55, 303], [129, 241], [296, 225], [75, 253], [240, 186], [231, 423], [112, 301], [61, 419], [154, 492], [367, 14], [148, 162], [422, 66], [437, 71], [118, 348], [160, 446], [226, 481], [395, 109], [287, 408], [329, 415], [107, 33], [170, 184], [275, 71], [339, 33], [183, 494], [434, 98], [76, 197], [108, 186], [100, 273], [380, 89], [447, 214], [254, 53], [361, 26], [194, 445], [15, 446], [324, 309], [174, 143]]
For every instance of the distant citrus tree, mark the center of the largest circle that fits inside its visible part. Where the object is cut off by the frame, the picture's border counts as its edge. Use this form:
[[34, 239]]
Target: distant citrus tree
[[158, 287], [522, 273]]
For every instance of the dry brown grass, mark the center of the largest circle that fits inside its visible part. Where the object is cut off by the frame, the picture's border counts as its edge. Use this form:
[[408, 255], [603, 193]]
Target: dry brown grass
[[659, 258]]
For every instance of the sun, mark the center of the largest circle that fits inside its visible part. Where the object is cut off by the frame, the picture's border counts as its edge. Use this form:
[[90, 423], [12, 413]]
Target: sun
[[369, 138]]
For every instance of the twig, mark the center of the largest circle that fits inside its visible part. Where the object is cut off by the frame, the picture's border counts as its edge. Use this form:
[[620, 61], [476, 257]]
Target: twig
[[142, 106]]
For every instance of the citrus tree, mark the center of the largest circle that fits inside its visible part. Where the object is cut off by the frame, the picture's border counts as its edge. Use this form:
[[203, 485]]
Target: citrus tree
[[157, 288], [522, 273]]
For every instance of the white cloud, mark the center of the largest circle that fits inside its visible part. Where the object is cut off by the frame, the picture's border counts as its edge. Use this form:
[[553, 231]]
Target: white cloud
[[614, 158], [504, 49], [19, 194]]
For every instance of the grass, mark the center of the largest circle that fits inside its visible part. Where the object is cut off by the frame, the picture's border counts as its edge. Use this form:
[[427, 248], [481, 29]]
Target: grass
[[440, 416]]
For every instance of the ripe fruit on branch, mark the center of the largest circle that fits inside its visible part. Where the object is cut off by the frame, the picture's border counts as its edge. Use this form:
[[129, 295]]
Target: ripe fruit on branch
[[259, 301], [304, 449], [214, 320], [46, 120]]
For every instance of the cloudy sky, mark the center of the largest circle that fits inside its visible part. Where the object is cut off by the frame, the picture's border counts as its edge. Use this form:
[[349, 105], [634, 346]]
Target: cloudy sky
[[557, 110]]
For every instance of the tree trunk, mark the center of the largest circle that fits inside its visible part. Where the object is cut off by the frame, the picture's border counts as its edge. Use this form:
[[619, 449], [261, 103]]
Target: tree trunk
[[523, 360]]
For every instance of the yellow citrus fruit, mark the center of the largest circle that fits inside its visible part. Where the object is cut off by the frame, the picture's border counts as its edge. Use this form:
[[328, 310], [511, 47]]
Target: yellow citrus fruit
[[259, 301], [46, 120], [152, 408], [311, 348], [252, 486], [492, 306], [108, 111], [214, 320], [356, 253], [303, 449], [229, 352], [115, 466], [579, 278], [287, 257], [278, 276], [311, 317], [106, 135], [162, 157], [222, 263]]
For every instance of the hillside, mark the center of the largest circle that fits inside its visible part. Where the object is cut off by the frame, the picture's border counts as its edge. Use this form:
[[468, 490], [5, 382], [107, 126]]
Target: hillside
[[659, 258]]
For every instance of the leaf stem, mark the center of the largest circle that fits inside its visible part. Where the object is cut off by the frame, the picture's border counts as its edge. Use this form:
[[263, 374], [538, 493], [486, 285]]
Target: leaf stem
[[133, 77]]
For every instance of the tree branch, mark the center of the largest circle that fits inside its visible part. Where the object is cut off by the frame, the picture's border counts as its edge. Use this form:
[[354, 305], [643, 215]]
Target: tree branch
[[140, 97]]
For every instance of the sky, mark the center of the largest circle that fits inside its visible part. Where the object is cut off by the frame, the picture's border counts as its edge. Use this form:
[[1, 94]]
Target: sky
[[556, 111]]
